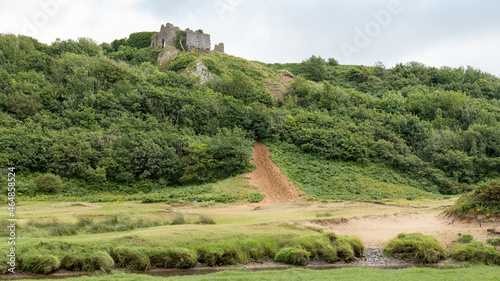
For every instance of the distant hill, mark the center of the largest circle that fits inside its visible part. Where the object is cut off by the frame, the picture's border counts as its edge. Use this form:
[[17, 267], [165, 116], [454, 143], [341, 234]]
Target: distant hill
[[108, 117]]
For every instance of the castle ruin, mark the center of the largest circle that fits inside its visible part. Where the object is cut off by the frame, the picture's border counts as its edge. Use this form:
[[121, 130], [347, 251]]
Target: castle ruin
[[219, 47], [195, 40]]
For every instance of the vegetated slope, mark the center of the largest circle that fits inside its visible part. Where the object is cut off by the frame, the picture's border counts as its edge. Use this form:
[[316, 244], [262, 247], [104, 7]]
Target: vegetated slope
[[272, 183], [483, 203], [347, 180], [106, 117]]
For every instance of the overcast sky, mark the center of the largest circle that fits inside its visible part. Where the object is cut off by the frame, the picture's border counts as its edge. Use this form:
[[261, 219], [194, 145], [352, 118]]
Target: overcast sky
[[434, 32]]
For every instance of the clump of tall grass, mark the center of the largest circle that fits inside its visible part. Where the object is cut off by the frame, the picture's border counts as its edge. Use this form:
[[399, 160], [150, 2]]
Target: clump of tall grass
[[179, 219], [229, 253], [417, 246], [53, 227], [476, 252], [4, 267], [464, 239], [82, 260], [293, 256], [72, 261], [205, 220], [172, 258], [50, 227], [330, 247], [324, 215], [99, 260], [318, 246], [40, 263], [495, 242], [131, 258]]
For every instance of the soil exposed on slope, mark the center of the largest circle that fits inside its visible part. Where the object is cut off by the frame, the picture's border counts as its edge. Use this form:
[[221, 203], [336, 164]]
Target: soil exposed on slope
[[271, 181]]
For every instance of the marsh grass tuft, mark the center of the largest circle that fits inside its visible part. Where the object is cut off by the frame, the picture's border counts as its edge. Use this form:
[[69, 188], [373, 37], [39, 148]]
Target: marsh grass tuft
[[417, 246], [99, 260], [476, 252], [324, 215], [292, 256], [39, 263], [205, 220], [53, 227], [464, 239], [172, 258], [131, 258], [178, 219]]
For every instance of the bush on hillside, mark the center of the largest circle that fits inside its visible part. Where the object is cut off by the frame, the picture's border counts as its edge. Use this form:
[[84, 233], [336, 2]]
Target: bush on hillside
[[485, 201], [48, 183]]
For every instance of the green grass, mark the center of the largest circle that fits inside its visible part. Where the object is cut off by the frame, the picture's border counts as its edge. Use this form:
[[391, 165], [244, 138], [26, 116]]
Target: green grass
[[418, 247], [47, 257], [475, 252], [226, 191], [479, 273], [339, 180], [292, 256]]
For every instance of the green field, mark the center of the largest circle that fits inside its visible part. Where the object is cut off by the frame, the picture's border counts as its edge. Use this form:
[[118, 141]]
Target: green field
[[479, 273]]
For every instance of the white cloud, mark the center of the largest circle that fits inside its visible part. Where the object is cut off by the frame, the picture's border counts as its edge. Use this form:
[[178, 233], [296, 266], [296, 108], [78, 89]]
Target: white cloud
[[435, 32], [479, 52]]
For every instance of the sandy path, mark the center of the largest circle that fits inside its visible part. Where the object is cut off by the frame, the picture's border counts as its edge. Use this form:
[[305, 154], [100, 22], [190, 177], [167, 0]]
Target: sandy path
[[271, 181], [378, 230]]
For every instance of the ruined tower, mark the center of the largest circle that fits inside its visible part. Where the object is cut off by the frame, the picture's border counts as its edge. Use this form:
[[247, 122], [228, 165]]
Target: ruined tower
[[166, 36], [195, 40], [219, 47]]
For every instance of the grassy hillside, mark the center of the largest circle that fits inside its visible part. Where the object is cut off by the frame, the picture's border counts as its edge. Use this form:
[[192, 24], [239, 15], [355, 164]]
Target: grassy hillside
[[105, 118]]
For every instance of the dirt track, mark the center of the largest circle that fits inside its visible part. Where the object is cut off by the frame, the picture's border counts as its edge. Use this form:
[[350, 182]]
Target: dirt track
[[271, 181]]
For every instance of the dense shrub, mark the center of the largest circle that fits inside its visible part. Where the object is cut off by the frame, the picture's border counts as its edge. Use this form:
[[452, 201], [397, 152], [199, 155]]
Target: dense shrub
[[180, 62], [315, 68], [48, 183], [140, 40]]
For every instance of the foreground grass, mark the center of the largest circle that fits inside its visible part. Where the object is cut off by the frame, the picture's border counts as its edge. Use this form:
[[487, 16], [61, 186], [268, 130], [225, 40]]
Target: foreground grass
[[480, 273]]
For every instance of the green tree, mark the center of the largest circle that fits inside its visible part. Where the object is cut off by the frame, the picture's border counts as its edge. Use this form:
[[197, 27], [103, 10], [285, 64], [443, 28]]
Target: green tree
[[48, 183], [140, 40], [315, 69]]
